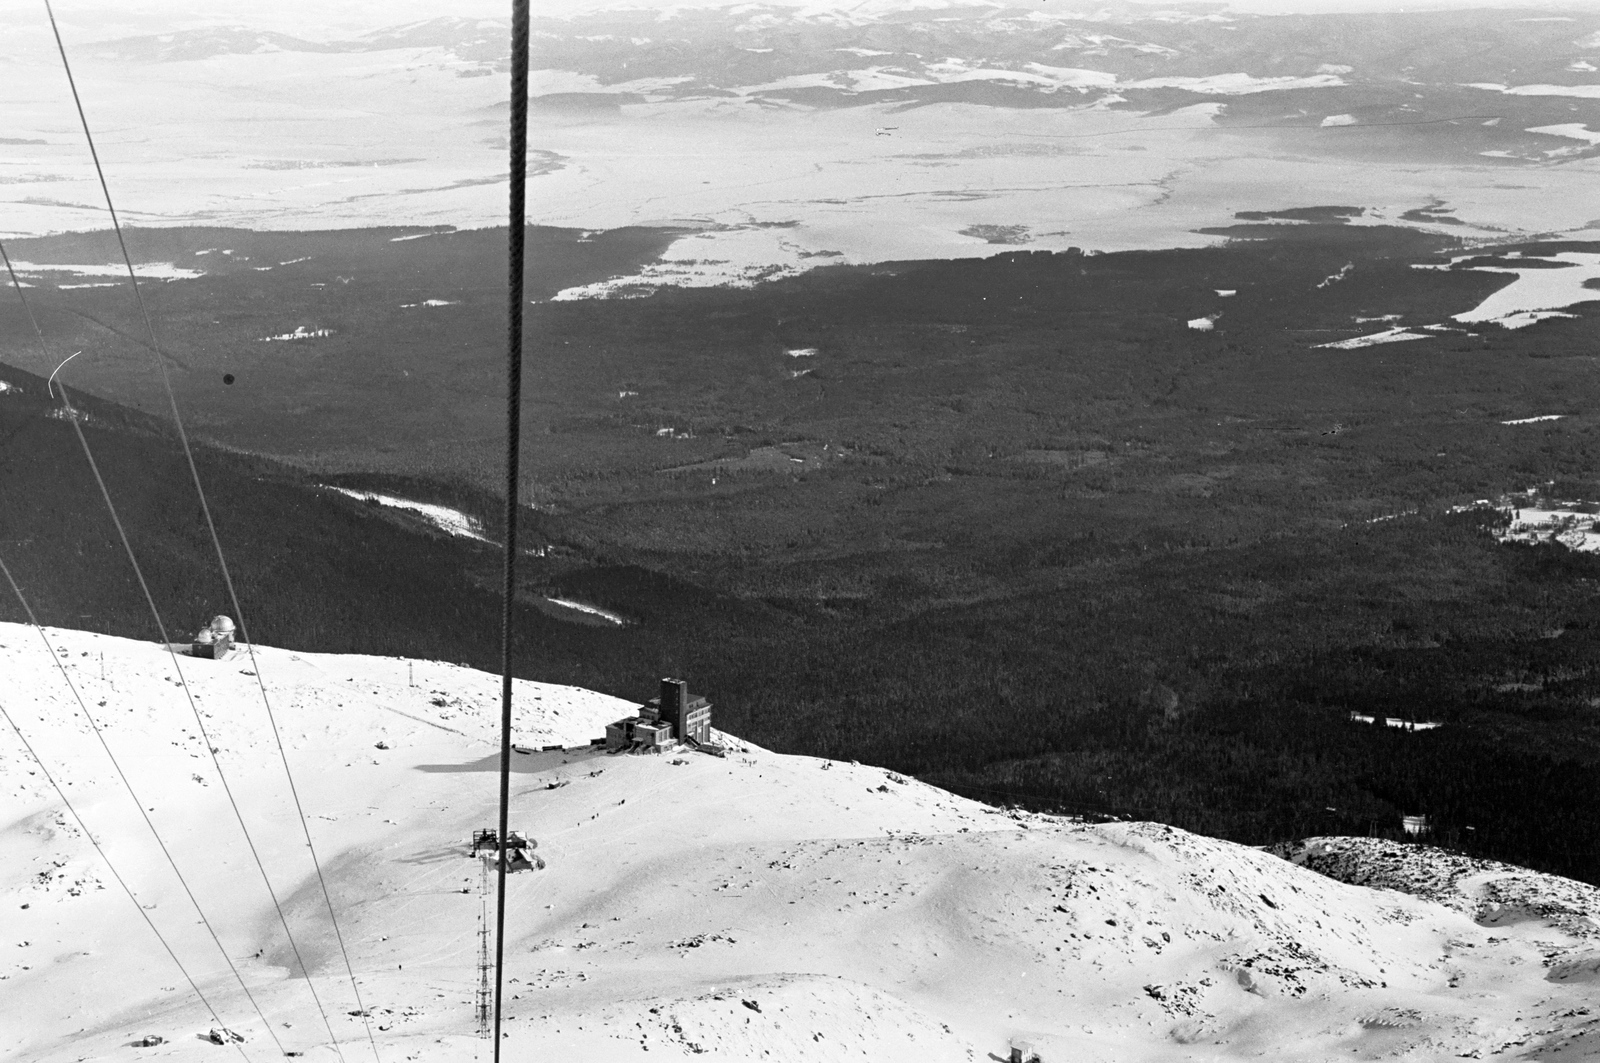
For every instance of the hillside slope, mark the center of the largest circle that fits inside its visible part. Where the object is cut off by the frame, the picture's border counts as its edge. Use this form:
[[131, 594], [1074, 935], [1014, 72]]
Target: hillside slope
[[757, 906]]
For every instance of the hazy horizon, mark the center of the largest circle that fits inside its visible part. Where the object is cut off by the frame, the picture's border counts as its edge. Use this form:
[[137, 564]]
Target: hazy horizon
[[98, 21]]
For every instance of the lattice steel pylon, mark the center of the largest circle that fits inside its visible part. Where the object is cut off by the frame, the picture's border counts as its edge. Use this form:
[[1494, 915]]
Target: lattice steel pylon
[[485, 995]]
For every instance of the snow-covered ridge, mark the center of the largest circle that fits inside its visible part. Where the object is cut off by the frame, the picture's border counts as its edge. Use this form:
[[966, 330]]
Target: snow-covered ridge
[[745, 907]]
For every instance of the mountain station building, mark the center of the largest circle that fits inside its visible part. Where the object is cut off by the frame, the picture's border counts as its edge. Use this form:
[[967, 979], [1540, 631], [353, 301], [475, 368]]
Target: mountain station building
[[670, 716]]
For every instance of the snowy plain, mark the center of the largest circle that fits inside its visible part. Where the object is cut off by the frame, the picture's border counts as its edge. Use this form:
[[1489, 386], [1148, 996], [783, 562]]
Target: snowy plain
[[1546, 288], [282, 139], [756, 906]]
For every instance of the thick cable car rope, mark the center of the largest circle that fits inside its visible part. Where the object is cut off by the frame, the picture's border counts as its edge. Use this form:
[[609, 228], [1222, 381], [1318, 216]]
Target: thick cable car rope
[[516, 233], [65, 800], [227, 577]]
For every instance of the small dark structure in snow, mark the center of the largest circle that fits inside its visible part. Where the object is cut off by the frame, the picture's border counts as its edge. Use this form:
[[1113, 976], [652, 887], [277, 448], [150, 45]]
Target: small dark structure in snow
[[518, 848], [671, 715], [214, 640], [489, 839]]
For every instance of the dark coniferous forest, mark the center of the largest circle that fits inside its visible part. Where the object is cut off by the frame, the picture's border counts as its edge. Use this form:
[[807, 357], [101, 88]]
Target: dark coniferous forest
[[1012, 528]]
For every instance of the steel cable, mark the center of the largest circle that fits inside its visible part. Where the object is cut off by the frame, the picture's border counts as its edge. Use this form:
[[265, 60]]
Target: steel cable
[[227, 577], [73, 417], [515, 296], [61, 792]]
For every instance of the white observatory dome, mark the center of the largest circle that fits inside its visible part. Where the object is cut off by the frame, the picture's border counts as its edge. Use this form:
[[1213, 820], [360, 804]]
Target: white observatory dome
[[222, 626]]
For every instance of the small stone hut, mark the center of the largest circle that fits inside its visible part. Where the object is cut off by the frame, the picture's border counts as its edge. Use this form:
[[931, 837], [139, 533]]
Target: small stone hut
[[214, 640]]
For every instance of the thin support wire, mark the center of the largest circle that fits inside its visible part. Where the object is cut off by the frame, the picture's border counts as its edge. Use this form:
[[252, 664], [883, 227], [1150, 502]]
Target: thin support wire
[[211, 527], [27, 609], [62, 793], [517, 233], [75, 420]]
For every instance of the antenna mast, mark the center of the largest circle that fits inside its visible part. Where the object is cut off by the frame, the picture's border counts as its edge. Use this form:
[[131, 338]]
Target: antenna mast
[[485, 997], [517, 223]]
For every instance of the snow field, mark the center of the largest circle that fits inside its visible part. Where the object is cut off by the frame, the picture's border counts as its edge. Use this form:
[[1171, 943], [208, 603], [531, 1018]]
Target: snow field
[[1573, 528], [1535, 295], [856, 911], [1393, 335], [1538, 292], [591, 610], [450, 521], [301, 332], [145, 271]]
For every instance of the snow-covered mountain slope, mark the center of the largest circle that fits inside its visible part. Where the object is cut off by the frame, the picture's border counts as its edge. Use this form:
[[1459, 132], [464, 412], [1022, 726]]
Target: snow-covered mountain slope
[[1487, 890], [756, 906]]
